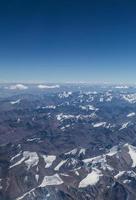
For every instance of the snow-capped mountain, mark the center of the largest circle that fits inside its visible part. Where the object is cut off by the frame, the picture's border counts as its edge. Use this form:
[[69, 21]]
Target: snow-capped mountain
[[68, 143]]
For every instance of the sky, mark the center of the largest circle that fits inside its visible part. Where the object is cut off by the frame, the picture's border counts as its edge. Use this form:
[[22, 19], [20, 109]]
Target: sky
[[68, 41]]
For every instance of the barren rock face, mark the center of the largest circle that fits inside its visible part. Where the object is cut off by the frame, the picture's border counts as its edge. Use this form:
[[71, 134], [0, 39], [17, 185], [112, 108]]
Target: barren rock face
[[68, 144]]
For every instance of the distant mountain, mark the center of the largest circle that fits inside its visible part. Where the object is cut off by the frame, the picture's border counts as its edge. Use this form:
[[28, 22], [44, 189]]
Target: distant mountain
[[72, 142]]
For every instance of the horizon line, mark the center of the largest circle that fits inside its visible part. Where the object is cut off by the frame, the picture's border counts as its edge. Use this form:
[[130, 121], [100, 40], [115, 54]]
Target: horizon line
[[67, 82]]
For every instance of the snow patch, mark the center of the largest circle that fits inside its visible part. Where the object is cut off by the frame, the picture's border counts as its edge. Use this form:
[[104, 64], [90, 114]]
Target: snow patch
[[29, 158], [88, 107], [49, 160], [132, 153], [99, 161], [51, 180], [15, 102], [73, 152], [112, 151], [131, 114], [82, 151], [91, 179], [125, 125], [37, 177], [65, 94], [121, 173], [99, 124], [49, 107], [131, 98], [25, 194], [60, 164]]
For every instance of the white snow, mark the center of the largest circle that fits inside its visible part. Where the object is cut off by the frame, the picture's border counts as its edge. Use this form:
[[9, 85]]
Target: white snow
[[48, 86], [62, 128], [131, 174], [91, 107], [18, 120], [15, 102], [82, 151], [131, 98], [94, 159], [51, 180], [67, 126], [91, 92], [126, 181], [99, 161], [72, 152], [109, 98], [132, 153], [16, 156], [77, 173], [83, 107], [101, 99], [49, 160], [37, 177], [62, 174], [72, 162], [48, 195], [131, 114], [49, 107], [65, 94], [125, 125], [32, 159], [59, 116], [60, 164], [29, 158], [99, 124], [112, 151], [128, 173], [32, 139], [18, 162], [25, 194], [119, 174], [91, 179], [88, 107], [62, 116]]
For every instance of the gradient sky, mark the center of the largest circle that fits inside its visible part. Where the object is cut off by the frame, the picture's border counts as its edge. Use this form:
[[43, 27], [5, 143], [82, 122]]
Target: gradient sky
[[68, 40]]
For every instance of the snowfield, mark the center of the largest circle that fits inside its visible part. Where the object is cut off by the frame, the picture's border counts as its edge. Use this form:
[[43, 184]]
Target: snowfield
[[91, 179], [51, 180], [48, 160]]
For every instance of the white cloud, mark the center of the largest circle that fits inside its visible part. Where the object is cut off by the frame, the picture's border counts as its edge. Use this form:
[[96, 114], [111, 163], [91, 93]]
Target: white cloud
[[17, 87], [48, 86]]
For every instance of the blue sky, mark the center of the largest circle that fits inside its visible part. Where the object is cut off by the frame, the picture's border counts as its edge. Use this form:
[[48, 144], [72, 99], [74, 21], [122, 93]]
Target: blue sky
[[68, 40]]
